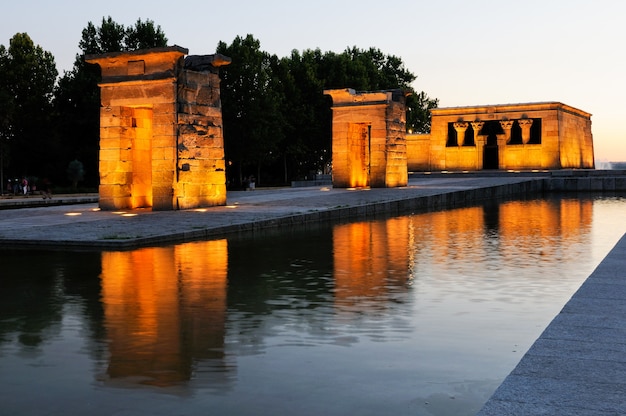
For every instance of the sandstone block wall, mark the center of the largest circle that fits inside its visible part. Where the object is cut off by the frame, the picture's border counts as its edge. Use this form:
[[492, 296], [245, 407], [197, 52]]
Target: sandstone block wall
[[368, 138], [161, 142], [565, 139]]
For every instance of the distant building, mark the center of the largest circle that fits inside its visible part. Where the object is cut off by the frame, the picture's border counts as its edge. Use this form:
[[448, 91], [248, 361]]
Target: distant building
[[548, 135]]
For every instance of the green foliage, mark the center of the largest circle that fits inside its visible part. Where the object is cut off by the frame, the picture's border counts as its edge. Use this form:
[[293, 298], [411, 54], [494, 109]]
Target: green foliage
[[251, 105], [27, 78]]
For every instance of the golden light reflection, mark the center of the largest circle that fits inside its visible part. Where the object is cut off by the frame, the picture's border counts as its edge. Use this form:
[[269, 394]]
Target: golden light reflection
[[162, 306], [368, 258], [73, 214], [526, 231]]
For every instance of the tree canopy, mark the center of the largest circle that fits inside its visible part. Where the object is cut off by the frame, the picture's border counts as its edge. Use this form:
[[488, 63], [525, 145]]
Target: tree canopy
[[27, 78], [277, 121]]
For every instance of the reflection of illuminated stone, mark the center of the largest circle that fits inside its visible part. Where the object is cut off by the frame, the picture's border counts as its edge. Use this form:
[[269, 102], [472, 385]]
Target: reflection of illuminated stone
[[547, 135], [161, 143], [164, 311], [369, 145], [368, 258]]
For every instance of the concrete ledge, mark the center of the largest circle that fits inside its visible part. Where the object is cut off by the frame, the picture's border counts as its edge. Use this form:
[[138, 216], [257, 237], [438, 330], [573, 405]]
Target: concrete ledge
[[578, 364], [31, 201]]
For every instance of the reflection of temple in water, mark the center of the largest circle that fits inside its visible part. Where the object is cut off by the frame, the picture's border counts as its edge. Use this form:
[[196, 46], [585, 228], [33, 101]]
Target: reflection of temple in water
[[519, 231], [370, 257], [164, 311]]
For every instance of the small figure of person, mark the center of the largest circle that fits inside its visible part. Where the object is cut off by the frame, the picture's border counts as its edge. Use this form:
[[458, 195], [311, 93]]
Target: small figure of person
[[25, 185], [46, 189], [251, 183]]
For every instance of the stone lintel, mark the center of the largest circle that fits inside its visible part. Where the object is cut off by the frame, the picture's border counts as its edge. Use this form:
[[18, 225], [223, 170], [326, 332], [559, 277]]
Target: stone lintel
[[348, 97], [508, 108], [137, 65]]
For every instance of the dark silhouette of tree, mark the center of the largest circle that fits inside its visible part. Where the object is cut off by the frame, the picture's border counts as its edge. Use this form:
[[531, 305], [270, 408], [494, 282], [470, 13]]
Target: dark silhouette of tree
[[27, 78], [251, 108]]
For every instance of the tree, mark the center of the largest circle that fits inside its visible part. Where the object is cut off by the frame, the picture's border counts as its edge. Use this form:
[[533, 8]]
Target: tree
[[418, 106], [251, 107], [27, 78], [77, 97]]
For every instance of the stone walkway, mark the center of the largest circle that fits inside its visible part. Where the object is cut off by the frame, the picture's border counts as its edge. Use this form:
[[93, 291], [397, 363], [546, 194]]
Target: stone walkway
[[85, 226]]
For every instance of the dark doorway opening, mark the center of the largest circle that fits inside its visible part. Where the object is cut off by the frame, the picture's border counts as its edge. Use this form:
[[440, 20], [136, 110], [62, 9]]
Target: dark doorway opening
[[490, 157], [490, 151]]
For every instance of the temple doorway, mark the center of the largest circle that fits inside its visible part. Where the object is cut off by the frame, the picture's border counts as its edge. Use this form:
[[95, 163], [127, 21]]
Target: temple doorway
[[490, 157], [140, 135]]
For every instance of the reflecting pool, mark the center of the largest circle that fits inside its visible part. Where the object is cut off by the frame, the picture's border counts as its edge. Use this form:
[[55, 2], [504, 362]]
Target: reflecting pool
[[422, 314]]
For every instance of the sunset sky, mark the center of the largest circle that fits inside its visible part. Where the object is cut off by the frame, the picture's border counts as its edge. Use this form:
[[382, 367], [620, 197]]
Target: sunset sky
[[463, 52]]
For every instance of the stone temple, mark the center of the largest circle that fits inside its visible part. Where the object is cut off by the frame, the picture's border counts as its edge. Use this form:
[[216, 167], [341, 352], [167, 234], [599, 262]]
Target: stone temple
[[161, 139], [541, 136], [162, 144]]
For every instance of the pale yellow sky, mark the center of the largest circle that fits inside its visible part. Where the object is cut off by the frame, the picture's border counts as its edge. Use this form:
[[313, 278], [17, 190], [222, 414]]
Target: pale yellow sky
[[463, 52]]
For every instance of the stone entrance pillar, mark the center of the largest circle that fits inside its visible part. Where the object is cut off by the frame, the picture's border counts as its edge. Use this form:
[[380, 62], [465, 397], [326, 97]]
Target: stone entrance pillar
[[369, 138], [161, 143]]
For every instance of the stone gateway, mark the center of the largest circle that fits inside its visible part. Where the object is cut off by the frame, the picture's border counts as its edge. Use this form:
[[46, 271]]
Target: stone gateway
[[161, 139], [368, 138]]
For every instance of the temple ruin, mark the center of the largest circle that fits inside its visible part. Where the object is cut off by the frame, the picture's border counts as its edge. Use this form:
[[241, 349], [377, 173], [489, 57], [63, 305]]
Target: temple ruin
[[540, 136], [368, 138], [161, 139]]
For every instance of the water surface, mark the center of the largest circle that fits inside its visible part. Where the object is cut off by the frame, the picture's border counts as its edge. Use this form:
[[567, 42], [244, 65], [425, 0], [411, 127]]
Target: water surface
[[420, 314]]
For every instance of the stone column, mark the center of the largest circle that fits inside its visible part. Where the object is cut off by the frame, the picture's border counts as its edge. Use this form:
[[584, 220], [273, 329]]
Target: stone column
[[460, 127], [477, 127], [525, 125], [478, 142], [507, 125]]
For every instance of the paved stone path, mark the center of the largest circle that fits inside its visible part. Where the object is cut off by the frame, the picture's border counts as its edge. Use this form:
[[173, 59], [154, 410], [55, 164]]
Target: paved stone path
[[85, 225]]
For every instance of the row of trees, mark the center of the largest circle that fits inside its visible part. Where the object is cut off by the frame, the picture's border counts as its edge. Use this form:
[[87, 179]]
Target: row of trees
[[276, 119]]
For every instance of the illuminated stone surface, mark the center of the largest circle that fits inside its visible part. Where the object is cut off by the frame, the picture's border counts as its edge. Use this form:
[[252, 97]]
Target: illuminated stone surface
[[547, 135], [161, 142], [368, 138]]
